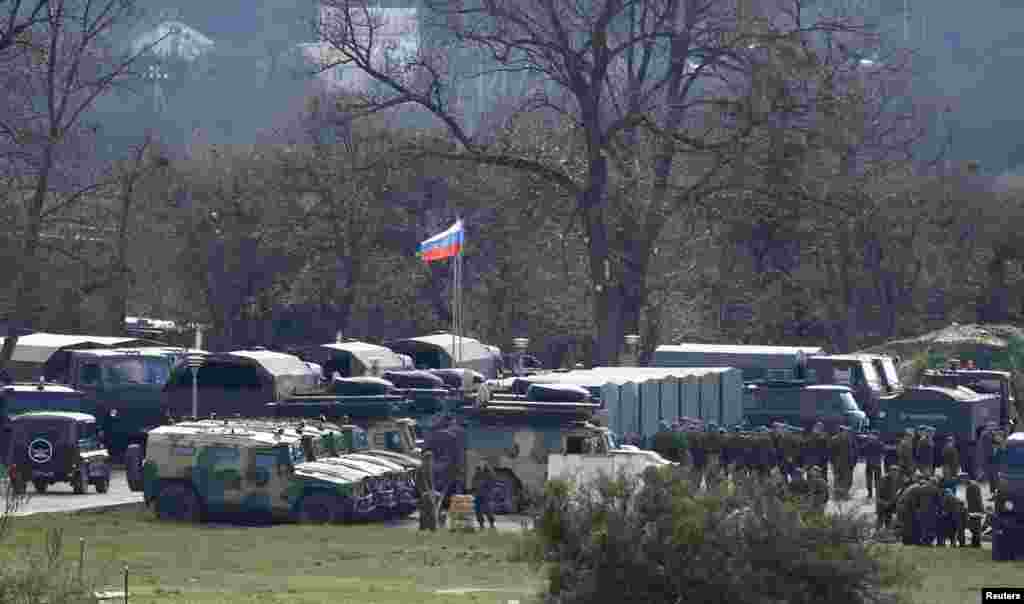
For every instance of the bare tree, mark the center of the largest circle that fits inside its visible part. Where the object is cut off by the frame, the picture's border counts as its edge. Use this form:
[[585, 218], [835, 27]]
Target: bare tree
[[650, 100], [67, 64]]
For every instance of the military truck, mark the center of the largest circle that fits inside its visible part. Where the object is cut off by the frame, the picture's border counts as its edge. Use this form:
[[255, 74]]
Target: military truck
[[122, 386], [520, 441], [957, 412], [795, 403], [252, 469], [872, 379], [47, 447], [1007, 519]]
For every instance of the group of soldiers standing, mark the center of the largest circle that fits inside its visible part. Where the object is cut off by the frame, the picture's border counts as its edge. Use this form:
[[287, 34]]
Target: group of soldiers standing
[[906, 487]]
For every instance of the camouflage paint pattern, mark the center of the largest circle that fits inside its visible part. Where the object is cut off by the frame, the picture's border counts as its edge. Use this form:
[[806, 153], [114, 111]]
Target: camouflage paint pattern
[[245, 467]]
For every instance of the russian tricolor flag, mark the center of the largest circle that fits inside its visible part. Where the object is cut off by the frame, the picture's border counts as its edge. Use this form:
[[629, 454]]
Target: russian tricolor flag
[[443, 245]]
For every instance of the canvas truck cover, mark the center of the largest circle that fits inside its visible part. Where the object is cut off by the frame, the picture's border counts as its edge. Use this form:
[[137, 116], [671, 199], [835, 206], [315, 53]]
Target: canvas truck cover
[[584, 469], [756, 362], [239, 382], [438, 351], [352, 358]]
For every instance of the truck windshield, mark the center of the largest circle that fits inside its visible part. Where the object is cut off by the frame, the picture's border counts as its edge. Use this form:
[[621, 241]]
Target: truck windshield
[[153, 371], [847, 402], [891, 375]]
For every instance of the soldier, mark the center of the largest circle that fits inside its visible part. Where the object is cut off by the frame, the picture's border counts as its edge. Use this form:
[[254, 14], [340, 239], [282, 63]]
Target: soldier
[[950, 459], [766, 457], [789, 453], [873, 451], [924, 452], [713, 450], [818, 488], [427, 497], [905, 453], [841, 452], [929, 505], [888, 489], [697, 439], [799, 488], [728, 455], [664, 442], [975, 512], [820, 446], [952, 520], [682, 443], [483, 490]]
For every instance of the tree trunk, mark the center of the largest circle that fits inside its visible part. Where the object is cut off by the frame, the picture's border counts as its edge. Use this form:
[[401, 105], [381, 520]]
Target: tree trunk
[[995, 306]]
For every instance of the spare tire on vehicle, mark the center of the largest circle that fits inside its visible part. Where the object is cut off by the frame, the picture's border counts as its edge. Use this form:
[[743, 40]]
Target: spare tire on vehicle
[[133, 467], [414, 379], [557, 393], [361, 386]]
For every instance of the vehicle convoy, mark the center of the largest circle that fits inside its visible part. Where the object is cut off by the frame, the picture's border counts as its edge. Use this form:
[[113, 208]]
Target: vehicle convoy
[[798, 404], [520, 442], [261, 468], [47, 447], [1007, 518]]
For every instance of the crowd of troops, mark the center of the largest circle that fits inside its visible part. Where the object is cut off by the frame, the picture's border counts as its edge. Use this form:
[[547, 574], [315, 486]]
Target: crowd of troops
[[817, 464]]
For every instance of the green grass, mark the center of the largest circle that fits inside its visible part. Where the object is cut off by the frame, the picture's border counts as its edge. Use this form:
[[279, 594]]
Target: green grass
[[955, 575], [285, 563]]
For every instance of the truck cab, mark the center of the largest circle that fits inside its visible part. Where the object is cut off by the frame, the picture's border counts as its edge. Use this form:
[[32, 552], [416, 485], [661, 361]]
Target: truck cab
[[999, 383], [871, 378]]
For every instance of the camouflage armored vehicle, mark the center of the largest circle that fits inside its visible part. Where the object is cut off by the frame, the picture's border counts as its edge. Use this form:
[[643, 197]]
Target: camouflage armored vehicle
[[252, 468], [1007, 519], [47, 447]]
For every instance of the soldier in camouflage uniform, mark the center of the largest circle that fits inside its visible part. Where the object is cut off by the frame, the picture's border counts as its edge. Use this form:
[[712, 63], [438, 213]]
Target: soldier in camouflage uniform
[[924, 452], [818, 489], [713, 450], [950, 460], [905, 453], [664, 442], [975, 512], [952, 520], [929, 506], [427, 495], [888, 489], [842, 451], [789, 453], [873, 451], [728, 455], [698, 453], [820, 448]]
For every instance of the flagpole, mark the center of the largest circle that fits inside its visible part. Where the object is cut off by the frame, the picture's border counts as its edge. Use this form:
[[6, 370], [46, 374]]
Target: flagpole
[[455, 306]]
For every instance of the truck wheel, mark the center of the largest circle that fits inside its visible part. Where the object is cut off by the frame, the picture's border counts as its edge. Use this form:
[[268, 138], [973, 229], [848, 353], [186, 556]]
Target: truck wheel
[[319, 508], [178, 502], [505, 496], [40, 485], [20, 487], [133, 467], [102, 485]]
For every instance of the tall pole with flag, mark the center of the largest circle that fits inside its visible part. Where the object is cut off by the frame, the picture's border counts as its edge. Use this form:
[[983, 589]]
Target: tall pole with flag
[[449, 244]]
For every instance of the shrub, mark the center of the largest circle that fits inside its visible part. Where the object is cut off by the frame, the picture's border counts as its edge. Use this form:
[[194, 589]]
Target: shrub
[[667, 542], [45, 577]]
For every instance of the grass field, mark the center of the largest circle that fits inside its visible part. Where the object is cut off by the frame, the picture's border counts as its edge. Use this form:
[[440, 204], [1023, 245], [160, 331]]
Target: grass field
[[956, 576], [367, 564]]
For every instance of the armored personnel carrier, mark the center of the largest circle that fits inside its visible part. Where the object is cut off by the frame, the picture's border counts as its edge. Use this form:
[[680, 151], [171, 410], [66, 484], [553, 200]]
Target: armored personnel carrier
[[256, 468]]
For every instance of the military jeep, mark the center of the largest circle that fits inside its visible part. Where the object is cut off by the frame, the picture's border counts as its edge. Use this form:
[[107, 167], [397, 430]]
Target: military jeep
[[1007, 518], [252, 469], [47, 447]]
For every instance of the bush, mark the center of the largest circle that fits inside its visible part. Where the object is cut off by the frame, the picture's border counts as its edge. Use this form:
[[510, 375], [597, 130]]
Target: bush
[[43, 577], [667, 542]]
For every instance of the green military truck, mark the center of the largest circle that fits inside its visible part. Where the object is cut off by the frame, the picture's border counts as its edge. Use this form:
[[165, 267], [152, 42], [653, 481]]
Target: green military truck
[[957, 412], [797, 404], [257, 469], [1007, 519], [122, 387]]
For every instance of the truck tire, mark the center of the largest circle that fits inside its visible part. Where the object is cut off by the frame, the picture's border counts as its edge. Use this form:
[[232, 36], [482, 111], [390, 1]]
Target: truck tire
[[177, 501], [133, 467], [505, 495]]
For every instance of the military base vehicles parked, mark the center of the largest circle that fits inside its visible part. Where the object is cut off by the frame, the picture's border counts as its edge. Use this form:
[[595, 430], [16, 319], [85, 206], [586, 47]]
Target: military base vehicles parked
[[269, 469], [799, 405]]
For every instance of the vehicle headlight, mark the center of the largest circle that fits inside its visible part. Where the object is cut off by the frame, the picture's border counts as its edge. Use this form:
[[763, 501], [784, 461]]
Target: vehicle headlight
[[1008, 505]]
